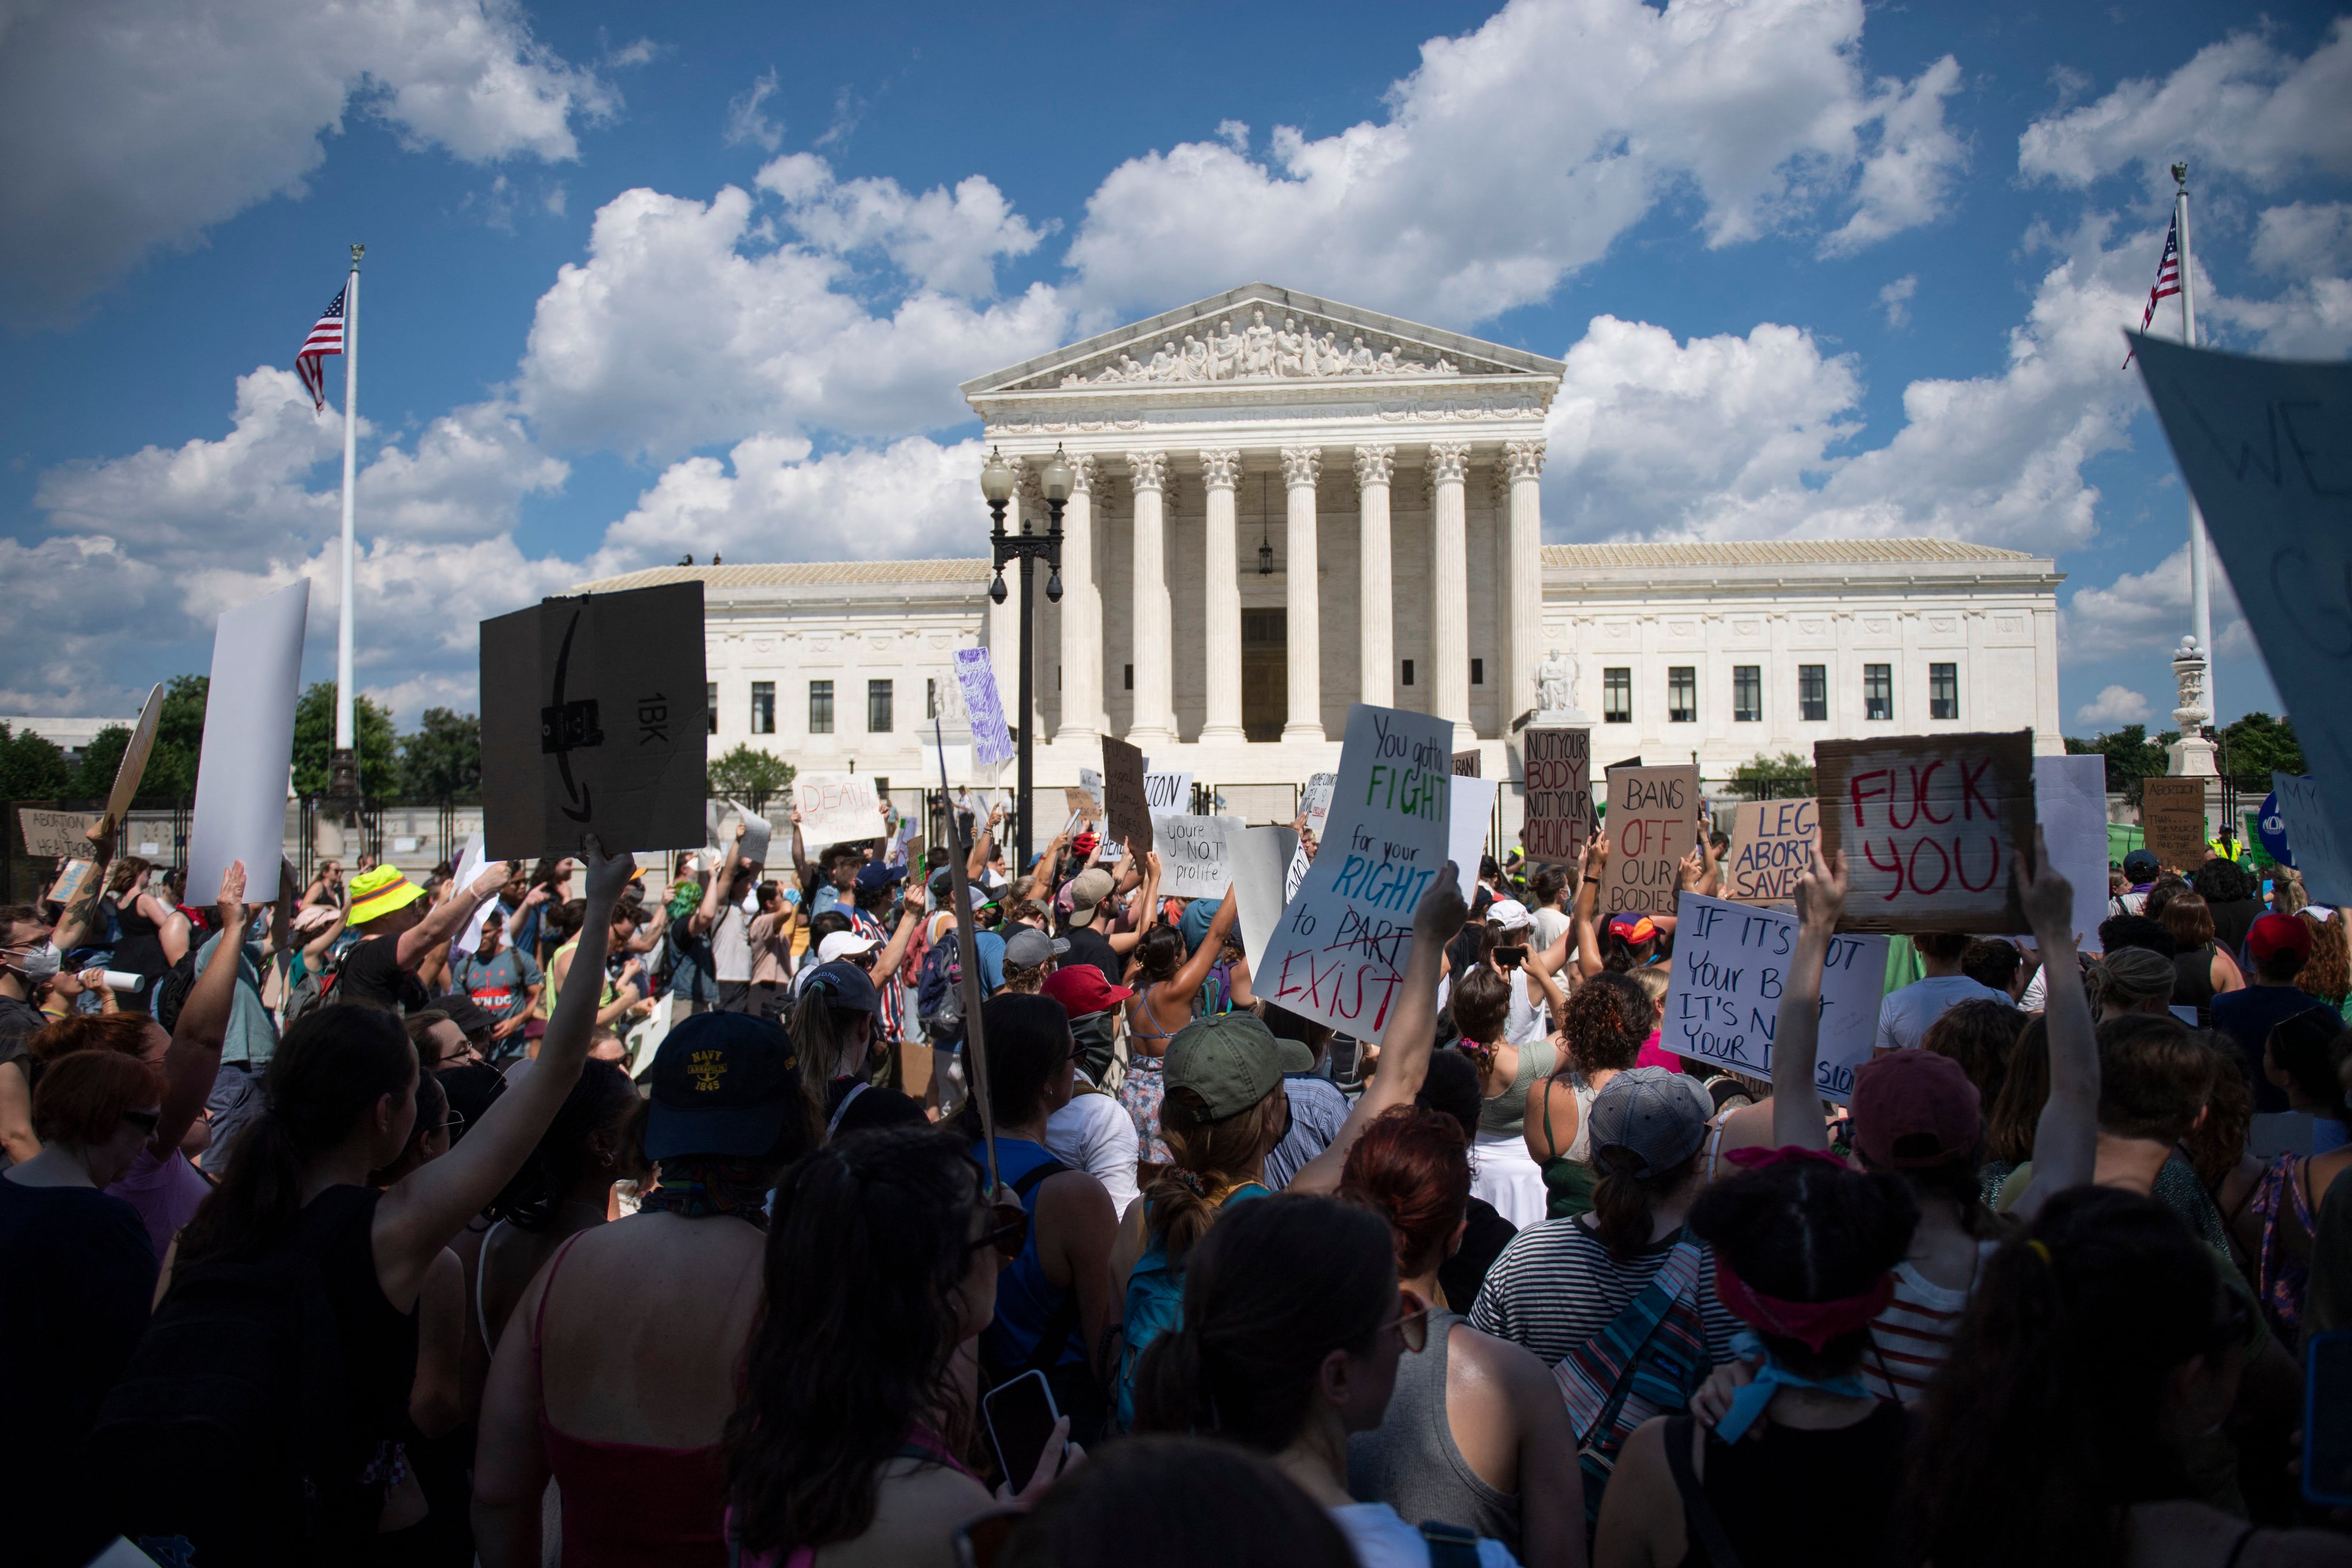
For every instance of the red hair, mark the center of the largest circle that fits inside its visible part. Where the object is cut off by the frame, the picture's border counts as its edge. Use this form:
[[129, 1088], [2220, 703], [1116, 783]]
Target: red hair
[[1411, 1167], [122, 1033], [82, 1094]]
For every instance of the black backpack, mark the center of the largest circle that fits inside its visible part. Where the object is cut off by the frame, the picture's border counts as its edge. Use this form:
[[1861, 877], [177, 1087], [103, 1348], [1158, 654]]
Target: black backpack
[[171, 989], [939, 991]]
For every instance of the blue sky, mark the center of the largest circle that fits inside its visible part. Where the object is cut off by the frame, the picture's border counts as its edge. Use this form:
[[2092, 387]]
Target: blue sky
[[642, 280]]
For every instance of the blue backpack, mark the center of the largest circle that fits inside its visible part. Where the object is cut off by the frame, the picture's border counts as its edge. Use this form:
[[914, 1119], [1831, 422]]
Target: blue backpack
[[1155, 1305]]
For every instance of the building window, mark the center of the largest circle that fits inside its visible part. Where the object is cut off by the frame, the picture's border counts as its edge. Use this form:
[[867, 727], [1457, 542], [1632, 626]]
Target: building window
[[1943, 691], [1477, 672], [1682, 694], [877, 707], [763, 707], [710, 706], [1408, 672], [820, 707], [1617, 696], [1746, 693], [1878, 691], [1128, 679], [930, 698], [1812, 692]]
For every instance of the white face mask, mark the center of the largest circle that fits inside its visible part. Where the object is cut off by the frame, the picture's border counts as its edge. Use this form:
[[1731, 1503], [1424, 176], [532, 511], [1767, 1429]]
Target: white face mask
[[37, 962]]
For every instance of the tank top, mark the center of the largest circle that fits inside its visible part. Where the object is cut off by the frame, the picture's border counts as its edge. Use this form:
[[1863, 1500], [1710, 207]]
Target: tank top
[[1766, 1494], [1507, 1113], [923, 1447], [1026, 1301], [1568, 1178], [1411, 1462], [603, 997], [630, 1505], [2192, 983]]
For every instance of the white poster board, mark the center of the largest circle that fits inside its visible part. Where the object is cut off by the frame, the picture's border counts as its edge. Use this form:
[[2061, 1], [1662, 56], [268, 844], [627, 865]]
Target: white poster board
[[1195, 854], [1469, 815], [757, 833], [241, 779], [991, 740], [2311, 833], [1260, 860], [2070, 801], [1731, 963], [1166, 793], [1315, 802], [1339, 950], [837, 808], [469, 866]]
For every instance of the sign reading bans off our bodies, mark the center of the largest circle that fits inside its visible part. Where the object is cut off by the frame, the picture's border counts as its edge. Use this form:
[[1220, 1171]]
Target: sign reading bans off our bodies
[[1338, 952], [1731, 963], [1930, 825], [1653, 824]]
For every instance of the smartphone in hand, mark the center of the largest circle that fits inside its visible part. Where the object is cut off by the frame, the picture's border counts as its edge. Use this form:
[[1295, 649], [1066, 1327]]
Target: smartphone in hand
[[1021, 1415]]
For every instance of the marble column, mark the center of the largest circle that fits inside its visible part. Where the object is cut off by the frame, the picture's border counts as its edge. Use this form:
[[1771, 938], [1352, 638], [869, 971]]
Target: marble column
[[1081, 612], [1300, 468], [1222, 642], [1153, 650], [1375, 599], [1522, 592], [1449, 583]]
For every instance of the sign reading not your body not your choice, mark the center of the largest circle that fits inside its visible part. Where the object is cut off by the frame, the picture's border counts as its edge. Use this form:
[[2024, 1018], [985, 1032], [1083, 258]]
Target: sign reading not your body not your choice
[[1731, 963]]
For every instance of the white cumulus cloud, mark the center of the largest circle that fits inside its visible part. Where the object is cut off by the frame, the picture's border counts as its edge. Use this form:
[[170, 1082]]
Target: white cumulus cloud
[[2114, 705], [943, 239]]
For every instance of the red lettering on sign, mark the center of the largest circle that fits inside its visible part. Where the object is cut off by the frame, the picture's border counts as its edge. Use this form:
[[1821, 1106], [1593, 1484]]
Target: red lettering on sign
[[1972, 796], [1993, 870], [1922, 790], [1943, 868], [1862, 818]]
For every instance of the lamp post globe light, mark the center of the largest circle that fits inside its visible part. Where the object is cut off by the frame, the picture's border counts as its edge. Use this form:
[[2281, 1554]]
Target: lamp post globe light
[[998, 481]]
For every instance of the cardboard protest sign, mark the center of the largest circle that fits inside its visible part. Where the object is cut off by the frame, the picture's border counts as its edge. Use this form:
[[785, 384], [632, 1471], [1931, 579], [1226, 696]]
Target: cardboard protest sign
[[2266, 448], [1731, 963], [2070, 802], [73, 880], [1165, 793], [1259, 860], [57, 834], [1772, 842], [1465, 765], [2172, 814], [992, 739], [1653, 822], [837, 808], [1127, 811], [133, 765], [1195, 854], [248, 747], [1929, 825], [1085, 799], [1557, 762], [592, 723], [1470, 814], [2320, 851], [1340, 951]]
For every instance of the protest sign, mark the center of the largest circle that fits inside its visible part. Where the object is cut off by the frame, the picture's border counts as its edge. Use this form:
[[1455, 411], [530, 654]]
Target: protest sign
[[991, 740], [1339, 950], [133, 765], [1652, 823], [249, 746], [2070, 802], [1465, 765], [2172, 814], [2266, 448], [1557, 762], [1929, 825], [1195, 854], [1772, 842], [1127, 813], [1315, 801], [592, 723], [470, 865], [2310, 827], [837, 808], [1165, 793], [1259, 860], [1470, 813], [73, 880], [59, 833], [757, 831], [2271, 828], [1085, 799], [1723, 1004]]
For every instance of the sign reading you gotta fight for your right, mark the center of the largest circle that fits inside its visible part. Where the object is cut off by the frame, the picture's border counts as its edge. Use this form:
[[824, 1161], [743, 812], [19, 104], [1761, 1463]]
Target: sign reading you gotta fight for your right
[[1931, 825]]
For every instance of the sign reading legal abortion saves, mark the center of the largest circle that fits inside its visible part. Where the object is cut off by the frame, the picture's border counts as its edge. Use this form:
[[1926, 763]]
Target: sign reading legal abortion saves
[[1930, 825], [1731, 963], [1772, 842], [1338, 952]]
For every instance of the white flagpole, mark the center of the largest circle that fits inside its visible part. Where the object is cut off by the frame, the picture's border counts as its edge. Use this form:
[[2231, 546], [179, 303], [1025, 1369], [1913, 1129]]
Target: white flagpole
[[344, 735], [2200, 600]]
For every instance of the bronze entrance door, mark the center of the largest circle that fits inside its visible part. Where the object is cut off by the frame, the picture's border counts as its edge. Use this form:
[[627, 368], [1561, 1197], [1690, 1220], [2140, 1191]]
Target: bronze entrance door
[[1265, 673]]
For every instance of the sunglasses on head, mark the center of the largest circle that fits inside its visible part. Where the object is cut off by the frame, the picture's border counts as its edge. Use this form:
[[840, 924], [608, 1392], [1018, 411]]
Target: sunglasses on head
[[1411, 1321], [1008, 1231]]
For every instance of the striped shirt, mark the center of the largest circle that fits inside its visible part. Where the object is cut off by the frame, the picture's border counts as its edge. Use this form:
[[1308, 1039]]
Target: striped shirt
[[1914, 1335], [1556, 1286]]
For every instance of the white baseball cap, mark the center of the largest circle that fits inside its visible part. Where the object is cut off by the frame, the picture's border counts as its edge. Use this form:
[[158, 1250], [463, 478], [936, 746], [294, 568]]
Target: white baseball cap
[[1508, 914], [843, 944]]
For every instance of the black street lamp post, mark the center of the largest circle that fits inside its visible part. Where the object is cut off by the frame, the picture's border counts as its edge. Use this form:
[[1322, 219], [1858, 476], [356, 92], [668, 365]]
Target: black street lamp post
[[997, 481]]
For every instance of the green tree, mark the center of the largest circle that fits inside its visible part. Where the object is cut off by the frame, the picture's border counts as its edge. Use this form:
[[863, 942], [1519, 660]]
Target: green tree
[[441, 759], [171, 772], [1784, 778], [2257, 744], [314, 743], [753, 777], [2131, 755], [32, 768], [100, 757]]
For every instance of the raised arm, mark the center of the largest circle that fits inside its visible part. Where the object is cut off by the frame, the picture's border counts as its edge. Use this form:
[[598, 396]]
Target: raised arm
[[2066, 1138], [436, 929], [802, 869], [983, 842], [74, 924], [911, 920], [722, 878], [1201, 959], [194, 1059], [1126, 941], [1039, 883], [1411, 1034], [1588, 897], [1796, 1038]]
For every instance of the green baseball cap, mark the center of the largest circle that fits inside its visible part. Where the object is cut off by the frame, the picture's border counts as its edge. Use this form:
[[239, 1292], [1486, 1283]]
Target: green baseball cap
[[1232, 1061]]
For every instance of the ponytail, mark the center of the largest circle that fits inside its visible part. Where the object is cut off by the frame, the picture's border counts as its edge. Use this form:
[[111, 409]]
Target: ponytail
[[1624, 1206], [1210, 1160]]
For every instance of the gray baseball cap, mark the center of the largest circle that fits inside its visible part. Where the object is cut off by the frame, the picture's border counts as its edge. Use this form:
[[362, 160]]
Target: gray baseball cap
[[1232, 1060], [1657, 1117], [1026, 947]]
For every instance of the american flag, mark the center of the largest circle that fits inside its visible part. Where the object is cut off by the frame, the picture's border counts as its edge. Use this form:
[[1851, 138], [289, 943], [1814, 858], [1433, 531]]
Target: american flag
[[2167, 279], [326, 337]]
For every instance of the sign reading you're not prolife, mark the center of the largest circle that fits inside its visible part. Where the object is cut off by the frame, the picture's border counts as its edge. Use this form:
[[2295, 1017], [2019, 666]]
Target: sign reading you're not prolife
[[1731, 963], [1930, 825], [1195, 854], [1338, 952]]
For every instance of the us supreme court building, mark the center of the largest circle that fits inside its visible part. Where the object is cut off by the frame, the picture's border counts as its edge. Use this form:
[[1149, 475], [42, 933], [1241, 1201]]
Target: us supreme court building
[[1285, 505]]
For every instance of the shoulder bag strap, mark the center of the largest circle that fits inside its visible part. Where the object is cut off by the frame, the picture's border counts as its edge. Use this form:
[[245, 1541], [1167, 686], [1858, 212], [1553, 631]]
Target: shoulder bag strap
[[1450, 1545], [842, 1110], [1698, 1513]]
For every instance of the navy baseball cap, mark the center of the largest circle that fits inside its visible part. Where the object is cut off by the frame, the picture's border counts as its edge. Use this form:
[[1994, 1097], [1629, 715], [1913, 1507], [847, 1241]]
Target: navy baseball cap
[[722, 1084], [847, 987], [874, 874]]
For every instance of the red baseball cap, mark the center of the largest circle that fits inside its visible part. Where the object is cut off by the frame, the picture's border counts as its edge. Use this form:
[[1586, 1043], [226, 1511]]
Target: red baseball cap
[[1081, 989], [1913, 1109], [2274, 934]]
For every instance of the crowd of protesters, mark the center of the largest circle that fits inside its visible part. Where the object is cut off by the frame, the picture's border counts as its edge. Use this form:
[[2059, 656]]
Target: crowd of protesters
[[546, 1219]]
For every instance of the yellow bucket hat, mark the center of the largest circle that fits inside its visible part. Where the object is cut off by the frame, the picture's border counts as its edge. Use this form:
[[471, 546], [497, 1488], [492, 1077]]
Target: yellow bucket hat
[[379, 891]]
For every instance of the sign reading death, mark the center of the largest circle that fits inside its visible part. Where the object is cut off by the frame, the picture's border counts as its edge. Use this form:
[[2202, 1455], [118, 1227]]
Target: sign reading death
[[1652, 823], [1929, 825], [1559, 764], [1338, 952]]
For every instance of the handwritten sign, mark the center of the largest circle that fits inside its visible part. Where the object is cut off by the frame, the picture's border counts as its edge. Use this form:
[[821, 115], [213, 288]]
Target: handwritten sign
[[991, 740], [73, 880], [54, 833], [1929, 825], [1772, 842], [1465, 765], [249, 743], [1260, 858], [837, 808], [2319, 850], [1166, 793], [1652, 823], [2172, 811], [1557, 762], [1085, 799], [2266, 448], [1731, 963], [1127, 811], [1195, 854], [1340, 951], [1315, 801]]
